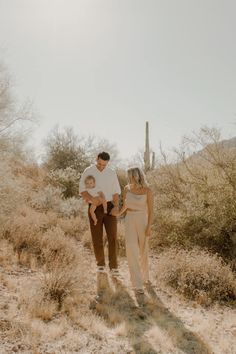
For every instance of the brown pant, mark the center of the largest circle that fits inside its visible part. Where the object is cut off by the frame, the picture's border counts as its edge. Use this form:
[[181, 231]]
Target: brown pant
[[110, 224]]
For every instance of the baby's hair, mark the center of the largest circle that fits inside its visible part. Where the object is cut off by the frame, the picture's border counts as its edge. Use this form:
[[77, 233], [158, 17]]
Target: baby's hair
[[88, 178]]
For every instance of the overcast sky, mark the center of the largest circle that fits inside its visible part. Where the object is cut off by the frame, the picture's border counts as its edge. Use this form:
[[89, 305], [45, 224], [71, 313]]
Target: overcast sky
[[106, 66]]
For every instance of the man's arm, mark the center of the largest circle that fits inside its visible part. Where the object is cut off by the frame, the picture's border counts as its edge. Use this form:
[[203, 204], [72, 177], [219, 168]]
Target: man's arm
[[89, 199], [115, 201], [115, 195]]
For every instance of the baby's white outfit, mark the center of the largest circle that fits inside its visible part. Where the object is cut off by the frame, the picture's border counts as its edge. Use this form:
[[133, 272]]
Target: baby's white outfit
[[93, 191]]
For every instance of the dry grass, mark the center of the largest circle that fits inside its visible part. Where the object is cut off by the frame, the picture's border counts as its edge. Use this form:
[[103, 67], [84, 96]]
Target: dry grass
[[24, 232], [195, 196], [74, 227], [121, 239], [197, 275], [7, 255], [42, 308], [59, 283], [56, 249]]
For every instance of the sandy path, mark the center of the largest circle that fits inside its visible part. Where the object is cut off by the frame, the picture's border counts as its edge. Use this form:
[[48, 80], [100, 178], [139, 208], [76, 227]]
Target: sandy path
[[166, 325]]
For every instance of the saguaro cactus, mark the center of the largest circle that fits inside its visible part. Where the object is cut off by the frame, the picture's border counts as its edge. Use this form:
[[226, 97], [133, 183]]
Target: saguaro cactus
[[147, 149], [148, 165], [153, 160]]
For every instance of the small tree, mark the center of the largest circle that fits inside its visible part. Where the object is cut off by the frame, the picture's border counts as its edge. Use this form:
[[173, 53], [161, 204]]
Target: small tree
[[64, 150], [13, 118]]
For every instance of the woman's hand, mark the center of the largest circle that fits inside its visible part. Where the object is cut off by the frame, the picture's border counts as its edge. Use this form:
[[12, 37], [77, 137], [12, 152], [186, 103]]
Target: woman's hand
[[148, 231], [114, 211]]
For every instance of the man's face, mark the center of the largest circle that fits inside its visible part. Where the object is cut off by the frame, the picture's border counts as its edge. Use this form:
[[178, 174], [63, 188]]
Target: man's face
[[101, 164]]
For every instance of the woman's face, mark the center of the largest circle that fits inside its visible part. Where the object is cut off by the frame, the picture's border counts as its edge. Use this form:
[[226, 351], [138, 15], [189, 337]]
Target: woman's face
[[131, 179]]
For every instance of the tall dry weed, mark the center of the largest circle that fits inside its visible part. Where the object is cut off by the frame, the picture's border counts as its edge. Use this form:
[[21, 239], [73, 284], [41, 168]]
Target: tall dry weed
[[59, 283]]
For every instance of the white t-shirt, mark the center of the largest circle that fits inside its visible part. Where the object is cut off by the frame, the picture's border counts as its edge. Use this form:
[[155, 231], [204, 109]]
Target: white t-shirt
[[106, 181]]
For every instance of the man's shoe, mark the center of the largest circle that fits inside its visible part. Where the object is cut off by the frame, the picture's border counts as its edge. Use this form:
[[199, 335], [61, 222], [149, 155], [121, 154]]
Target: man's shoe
[[115, 273], [101, 269], [140, 297], [97, 300]]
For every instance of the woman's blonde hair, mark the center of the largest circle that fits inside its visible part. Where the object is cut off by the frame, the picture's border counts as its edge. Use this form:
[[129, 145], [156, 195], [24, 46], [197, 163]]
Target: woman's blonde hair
[[136, 176]]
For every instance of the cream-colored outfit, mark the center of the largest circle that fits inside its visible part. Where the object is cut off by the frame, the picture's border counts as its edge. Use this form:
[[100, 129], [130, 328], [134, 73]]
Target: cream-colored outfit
[[135, 238]]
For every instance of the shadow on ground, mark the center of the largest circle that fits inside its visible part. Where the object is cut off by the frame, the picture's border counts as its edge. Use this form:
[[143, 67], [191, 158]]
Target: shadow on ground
[[116, 306]]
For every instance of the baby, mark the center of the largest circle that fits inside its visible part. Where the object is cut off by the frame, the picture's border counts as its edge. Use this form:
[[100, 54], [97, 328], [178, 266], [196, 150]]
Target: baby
[[91, 188]]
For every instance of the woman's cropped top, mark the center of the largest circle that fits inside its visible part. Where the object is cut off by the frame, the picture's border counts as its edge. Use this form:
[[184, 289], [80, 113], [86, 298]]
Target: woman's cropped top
[[136, 201]]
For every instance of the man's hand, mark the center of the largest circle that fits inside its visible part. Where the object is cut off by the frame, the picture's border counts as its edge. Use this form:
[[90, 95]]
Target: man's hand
[[114, 211]]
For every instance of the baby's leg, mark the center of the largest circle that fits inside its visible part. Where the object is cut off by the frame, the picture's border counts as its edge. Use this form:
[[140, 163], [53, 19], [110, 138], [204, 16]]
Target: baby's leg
[[92, 213]]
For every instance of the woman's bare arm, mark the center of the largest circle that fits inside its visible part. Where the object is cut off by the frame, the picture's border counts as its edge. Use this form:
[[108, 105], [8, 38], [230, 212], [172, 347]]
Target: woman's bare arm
[[124, 207], [150, 211]]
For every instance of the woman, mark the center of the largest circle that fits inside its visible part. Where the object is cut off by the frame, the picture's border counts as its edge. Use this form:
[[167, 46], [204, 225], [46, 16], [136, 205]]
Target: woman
[[138, 204]]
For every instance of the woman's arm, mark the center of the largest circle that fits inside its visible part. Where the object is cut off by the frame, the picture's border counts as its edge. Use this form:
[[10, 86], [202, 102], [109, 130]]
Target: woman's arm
[[123, 209], [150, 211]]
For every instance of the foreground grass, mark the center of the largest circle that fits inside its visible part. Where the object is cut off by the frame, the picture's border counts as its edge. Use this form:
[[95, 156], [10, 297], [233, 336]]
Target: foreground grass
[[168, 324]]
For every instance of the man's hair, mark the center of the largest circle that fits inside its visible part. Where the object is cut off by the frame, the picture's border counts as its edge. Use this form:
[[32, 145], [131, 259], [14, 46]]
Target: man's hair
[[104, 156], [88, 178]]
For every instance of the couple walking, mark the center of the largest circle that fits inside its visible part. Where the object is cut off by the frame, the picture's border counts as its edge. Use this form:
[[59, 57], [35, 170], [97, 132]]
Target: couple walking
[[99, 187]]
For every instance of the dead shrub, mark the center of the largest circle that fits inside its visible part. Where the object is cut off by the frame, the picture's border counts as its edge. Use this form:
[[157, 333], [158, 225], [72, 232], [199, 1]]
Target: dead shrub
[[196, 196], [198, 275], [59, 283], [7, 255], [73, 227], [13, 191], [57, 248], [26, 229], [46, 199], [42, 308]]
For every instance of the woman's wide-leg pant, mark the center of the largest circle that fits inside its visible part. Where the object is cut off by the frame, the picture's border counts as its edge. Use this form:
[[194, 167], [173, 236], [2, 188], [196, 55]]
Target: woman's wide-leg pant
[[137, 247]]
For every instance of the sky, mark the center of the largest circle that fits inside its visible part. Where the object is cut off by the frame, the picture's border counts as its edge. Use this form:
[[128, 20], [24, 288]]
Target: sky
[[105, 67]]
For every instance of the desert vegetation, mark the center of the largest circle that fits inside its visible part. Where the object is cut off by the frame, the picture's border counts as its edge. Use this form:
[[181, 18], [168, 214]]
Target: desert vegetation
[[47, 268], [195, 214]]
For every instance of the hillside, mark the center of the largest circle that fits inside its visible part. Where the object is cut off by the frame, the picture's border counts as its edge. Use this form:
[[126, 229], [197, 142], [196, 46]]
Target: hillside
[[230, 143]]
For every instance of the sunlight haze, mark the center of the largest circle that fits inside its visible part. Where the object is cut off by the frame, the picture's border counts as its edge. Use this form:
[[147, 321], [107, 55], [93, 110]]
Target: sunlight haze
[[105, 67]]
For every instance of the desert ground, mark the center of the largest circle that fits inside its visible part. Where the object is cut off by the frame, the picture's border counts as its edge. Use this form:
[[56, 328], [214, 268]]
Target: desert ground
[[117, 325]]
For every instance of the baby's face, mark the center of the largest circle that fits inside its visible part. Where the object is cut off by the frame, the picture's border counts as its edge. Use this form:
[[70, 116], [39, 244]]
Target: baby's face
[[90, 183]]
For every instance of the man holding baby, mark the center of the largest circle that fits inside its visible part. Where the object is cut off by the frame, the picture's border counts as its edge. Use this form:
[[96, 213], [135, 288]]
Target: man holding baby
[[105, 181]]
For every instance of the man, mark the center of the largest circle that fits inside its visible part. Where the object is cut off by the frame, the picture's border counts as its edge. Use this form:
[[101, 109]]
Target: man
[[107, 181]]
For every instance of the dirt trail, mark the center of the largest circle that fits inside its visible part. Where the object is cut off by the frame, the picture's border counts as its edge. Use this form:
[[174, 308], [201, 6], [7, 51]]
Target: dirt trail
[[165, 325]]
